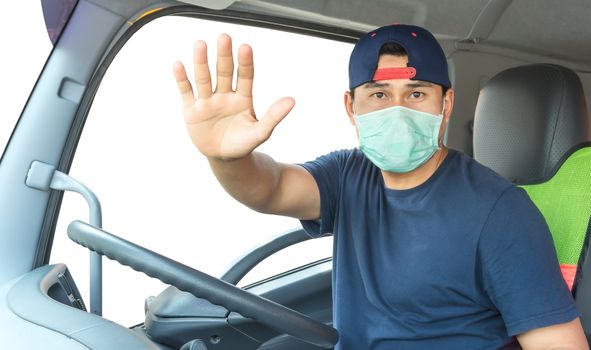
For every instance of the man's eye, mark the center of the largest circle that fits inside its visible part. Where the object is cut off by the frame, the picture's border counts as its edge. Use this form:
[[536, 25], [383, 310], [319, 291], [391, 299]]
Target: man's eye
[[416, 94], [379, 95]]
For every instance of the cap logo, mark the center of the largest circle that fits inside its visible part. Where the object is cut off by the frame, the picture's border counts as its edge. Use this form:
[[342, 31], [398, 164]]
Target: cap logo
[[395, 73]]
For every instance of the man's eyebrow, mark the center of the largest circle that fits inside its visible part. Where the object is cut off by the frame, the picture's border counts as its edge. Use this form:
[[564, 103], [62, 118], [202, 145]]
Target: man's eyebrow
[[373, 85], [419, 84]]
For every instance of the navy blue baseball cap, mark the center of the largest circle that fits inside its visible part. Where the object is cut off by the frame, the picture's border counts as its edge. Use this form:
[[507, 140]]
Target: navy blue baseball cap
[[426, 59]]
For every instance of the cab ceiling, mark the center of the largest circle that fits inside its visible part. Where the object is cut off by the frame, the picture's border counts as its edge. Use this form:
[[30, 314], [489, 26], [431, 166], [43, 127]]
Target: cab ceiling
[[550, 28], [558, 30]]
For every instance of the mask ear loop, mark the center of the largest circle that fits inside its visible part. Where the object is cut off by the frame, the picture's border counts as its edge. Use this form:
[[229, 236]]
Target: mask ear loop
[[440, 140]]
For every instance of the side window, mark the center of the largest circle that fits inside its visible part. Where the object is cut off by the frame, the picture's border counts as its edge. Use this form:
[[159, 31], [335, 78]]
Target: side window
[[290, 258], [157, 190]]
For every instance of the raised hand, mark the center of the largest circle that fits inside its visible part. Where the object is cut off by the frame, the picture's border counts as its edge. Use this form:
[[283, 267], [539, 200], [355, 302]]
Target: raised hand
[[222, 123]]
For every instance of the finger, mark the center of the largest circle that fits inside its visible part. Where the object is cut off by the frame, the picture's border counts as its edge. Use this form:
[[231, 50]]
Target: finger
[[225, 64], [202, 75], [245, 71], [183, 84], [274, 116]]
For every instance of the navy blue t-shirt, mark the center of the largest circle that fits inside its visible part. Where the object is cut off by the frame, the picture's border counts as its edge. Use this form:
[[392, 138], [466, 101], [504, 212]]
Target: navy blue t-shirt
[[463, 261]]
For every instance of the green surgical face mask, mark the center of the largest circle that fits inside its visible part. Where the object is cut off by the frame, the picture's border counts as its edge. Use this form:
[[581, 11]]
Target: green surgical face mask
[[398, 139]]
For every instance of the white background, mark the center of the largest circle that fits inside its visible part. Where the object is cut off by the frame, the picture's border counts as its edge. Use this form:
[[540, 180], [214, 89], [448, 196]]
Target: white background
[[155, 188], [25, 46]]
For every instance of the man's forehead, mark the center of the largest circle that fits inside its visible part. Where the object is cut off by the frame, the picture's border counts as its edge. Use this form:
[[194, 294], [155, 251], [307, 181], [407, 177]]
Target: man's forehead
[[385, 84]]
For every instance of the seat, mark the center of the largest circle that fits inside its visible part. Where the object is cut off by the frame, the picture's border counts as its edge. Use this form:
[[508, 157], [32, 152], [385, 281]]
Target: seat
[[531, 126]]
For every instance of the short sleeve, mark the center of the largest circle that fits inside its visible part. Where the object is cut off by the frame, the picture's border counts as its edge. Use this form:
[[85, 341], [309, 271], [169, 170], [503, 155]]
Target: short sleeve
[[519, 267], [327, 171]]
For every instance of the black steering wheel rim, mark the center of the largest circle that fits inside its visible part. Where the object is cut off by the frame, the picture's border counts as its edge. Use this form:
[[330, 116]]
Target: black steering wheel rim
[[185, 278]]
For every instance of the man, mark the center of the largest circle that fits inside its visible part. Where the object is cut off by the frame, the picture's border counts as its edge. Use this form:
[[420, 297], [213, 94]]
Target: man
[[432, 250]]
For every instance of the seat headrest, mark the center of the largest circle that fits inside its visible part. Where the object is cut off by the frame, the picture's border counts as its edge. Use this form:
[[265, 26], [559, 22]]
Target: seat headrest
[[527, 118]]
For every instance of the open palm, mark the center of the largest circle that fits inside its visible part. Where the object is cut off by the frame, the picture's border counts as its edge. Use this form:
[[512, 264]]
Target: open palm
[[222, 123]]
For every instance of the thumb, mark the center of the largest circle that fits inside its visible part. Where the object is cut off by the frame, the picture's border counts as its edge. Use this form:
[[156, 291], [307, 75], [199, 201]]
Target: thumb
[[274, 116]]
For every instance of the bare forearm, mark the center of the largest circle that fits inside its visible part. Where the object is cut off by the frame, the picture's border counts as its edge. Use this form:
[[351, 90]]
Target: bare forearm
[[562, 347], [252, 180], [565, 336]]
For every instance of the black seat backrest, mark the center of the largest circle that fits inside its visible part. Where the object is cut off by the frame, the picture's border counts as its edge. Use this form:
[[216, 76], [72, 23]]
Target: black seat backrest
[[527, 118]]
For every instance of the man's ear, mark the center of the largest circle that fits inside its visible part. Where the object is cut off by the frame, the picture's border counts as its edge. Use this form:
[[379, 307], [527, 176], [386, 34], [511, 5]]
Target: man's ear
[[449, 98], [348, 98]]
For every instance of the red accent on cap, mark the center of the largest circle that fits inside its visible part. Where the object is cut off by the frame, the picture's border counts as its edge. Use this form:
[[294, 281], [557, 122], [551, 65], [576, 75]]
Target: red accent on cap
[[414, 34], [373, 34], [394, 73]]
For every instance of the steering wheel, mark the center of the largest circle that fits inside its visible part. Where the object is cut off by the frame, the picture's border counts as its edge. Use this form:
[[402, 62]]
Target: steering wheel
[[202, 285]]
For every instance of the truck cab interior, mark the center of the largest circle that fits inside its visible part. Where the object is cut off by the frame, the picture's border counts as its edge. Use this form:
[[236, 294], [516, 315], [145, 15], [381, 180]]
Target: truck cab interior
[[521, 73]]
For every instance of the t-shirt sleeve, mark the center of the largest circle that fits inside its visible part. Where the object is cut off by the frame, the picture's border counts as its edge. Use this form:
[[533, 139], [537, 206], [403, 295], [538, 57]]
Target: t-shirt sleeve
[[327, 171], [519, 266]]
